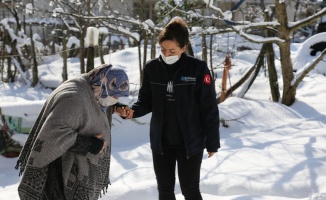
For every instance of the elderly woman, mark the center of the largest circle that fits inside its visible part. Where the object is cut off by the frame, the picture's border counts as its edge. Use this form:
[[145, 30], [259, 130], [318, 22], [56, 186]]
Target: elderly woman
[[67, 153]]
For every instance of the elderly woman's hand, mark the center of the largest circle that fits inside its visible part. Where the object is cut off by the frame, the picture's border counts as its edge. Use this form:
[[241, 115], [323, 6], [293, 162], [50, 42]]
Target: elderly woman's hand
[[120, 111], [124, 112], [100, 136]]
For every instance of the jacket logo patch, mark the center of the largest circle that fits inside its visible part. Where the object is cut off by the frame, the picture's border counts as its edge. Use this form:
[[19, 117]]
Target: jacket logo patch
[[188, 79], [207, 79], [170, 87]]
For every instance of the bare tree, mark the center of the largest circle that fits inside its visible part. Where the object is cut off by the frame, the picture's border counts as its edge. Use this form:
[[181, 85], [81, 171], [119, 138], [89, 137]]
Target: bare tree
[[283, 29], [78, 16], [76, 12], [16, 51]]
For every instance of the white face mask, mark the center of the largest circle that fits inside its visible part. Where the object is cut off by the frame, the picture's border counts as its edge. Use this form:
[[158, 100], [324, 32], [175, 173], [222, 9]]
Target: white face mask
[[170, 59], [108, 101]]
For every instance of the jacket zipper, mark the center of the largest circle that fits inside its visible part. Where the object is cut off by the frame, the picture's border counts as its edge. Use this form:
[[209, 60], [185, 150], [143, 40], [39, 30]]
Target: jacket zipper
[[160, 136], [178, 117]]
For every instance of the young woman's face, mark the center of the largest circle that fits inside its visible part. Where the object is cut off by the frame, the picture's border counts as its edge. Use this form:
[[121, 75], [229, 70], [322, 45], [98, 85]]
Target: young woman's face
[[171, 48]]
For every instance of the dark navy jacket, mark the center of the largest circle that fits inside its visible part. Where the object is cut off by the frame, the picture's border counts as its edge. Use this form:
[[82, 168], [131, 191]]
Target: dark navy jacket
[[195, 101]]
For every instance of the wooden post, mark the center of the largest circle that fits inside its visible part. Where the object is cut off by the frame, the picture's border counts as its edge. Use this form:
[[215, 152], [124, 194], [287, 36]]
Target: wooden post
[[227, 67], [100, 49], [92, 36]]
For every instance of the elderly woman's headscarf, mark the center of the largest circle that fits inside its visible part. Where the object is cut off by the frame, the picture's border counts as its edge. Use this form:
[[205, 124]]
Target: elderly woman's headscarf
[[107, 80]]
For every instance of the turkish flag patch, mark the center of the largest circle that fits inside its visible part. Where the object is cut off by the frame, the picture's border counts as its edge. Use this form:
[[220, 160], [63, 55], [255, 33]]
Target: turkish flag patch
[[207, 79]]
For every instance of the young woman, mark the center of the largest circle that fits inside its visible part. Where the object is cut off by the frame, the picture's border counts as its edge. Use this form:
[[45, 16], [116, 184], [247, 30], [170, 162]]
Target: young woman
[[179, 92]]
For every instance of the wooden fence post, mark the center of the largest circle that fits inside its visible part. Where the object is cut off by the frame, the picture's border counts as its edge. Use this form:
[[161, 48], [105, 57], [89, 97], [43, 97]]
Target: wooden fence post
[[227, 67]]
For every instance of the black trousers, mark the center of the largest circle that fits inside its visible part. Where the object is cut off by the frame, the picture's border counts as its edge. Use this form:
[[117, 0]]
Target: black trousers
[[188, 172]]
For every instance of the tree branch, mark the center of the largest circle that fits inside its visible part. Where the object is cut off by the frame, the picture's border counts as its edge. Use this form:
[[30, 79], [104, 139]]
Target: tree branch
[[308, 69], [296, 25], [254, 38], [224, 121]]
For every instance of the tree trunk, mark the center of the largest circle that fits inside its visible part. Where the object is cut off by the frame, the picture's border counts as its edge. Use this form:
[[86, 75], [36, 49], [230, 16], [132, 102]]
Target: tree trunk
[[3, 56], [100, 49], [153, 45], [7, 41], [288, 96], [10, 77], [211, 57], [270, 58], [145, 48], [257, 66], [297, 4], [14, 51], [90, 58], [140, 63], [64, 57], [53, 45], [204, 48], [82, 53], [34, 69], [272, 74], [109, 44], [227, 67], [14, 13]]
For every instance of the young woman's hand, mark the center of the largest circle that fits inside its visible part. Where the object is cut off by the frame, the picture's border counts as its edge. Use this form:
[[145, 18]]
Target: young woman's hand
[[210, 154], [129, 112]]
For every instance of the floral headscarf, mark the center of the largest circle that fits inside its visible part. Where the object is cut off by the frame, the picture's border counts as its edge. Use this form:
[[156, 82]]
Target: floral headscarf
[[107, 80]]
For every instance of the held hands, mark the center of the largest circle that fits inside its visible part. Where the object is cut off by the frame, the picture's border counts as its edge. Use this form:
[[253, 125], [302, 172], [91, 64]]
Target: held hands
[[124, 112]]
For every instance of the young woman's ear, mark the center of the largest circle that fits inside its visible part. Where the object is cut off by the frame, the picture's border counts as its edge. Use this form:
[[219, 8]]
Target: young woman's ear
[[184, 49]]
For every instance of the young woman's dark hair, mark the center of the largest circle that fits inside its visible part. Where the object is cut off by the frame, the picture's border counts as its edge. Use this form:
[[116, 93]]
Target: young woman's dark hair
[[175, 30]]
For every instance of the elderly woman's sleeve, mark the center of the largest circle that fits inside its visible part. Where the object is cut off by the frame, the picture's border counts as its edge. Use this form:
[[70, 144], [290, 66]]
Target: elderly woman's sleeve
[[85, 144]]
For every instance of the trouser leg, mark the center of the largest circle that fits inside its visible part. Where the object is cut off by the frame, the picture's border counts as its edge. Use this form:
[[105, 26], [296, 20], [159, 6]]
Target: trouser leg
[[164, 168], [54, 184], [189, 175]]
